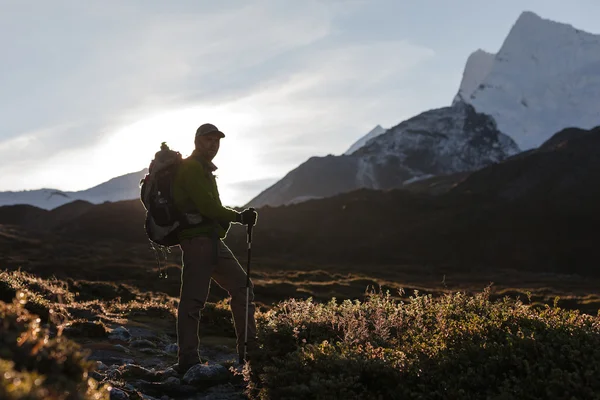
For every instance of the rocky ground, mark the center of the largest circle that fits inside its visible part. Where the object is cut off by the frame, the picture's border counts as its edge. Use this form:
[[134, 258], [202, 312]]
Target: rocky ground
[[137, 359], [131, 338]]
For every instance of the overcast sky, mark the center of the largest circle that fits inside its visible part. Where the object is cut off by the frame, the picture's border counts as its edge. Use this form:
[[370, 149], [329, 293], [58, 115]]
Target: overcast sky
[[89, 89]]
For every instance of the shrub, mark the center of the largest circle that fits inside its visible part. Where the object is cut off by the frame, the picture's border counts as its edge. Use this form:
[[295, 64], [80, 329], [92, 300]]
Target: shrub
[[85, 328], [108, 291], [53, 290], [454, 346], [33, 291], [216, 318], [150, 309], [35, 365]]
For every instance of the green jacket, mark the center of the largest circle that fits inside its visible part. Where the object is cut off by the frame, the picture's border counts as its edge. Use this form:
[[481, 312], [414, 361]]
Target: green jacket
[[195, 190]]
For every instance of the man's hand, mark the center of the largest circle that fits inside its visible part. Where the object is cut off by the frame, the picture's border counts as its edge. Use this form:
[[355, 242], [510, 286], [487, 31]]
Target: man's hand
[[248, 216]]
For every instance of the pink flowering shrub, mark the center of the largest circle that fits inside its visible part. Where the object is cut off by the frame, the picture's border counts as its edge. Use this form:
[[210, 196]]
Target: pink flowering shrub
[[455, 346]]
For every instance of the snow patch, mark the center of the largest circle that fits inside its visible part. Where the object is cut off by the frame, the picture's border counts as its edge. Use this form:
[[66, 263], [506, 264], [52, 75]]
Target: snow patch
[[417, 179], [373, 133], [365, 176], [301, 199], [479, 64]]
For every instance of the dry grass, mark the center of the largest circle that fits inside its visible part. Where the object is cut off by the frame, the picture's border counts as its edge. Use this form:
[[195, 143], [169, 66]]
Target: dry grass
[[37, 364]]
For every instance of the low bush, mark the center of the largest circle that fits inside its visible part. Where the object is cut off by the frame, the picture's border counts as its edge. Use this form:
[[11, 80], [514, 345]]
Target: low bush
[[85, 328], [216, 318], [34, 365], [150, 309], [454, 346], [44, 298], [107, 291]]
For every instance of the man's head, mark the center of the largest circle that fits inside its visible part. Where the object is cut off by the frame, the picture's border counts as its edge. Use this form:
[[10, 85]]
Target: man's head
[[208, 140]]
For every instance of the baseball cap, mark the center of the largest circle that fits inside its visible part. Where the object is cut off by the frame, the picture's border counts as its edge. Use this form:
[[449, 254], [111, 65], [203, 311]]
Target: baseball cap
[[206, 129]]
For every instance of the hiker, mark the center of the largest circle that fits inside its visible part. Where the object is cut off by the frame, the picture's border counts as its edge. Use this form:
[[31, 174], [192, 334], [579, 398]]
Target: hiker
[[205, 255]]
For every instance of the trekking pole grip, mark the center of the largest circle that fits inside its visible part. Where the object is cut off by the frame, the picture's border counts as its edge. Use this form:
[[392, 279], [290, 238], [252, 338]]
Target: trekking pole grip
[[249, 230]]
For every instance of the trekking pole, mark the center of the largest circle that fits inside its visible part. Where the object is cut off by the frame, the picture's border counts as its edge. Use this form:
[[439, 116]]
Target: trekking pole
[[243, 358]]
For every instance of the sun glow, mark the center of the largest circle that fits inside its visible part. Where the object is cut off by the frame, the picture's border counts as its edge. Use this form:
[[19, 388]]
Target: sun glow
[[132, 147]]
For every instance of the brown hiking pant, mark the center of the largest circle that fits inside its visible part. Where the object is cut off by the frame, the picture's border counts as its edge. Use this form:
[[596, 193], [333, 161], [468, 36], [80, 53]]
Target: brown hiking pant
[[198, 269]]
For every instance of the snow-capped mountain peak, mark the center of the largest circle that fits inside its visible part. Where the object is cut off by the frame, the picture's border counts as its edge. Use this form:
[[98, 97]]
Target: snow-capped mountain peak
[[545, 77], [479, 64], [440, 141], [378, 130]]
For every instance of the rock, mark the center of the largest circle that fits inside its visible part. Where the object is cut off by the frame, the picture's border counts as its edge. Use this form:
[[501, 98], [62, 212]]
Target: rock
[[130, 387], [142, 333], [170, 387], [151, 351], [226, 391], [201, 374], [148, 397], [118, 394], [123, 361], [171, 348], [96, 375], [139, 343], [119, 334], [113, 374], [121, 348], [109, 357], [100, 366], [151, 362], [133, 371], [172, 380], [167, 373]]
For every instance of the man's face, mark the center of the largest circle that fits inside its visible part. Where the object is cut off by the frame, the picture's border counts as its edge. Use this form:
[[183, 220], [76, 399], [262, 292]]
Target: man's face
[[208, 145]]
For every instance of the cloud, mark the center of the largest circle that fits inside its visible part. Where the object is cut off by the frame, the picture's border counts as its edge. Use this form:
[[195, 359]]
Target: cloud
[[106, 68], [328, 93], [314, 110], [284, 80]]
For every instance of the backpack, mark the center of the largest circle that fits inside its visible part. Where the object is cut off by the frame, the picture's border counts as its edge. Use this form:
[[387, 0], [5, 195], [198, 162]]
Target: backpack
[[163, 220]]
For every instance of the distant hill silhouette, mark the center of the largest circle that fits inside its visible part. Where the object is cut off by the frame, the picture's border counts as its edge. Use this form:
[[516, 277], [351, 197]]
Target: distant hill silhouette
[[563, 171], [124, 187], [34, 218], [121, 221], [23, 215], [536, 211]]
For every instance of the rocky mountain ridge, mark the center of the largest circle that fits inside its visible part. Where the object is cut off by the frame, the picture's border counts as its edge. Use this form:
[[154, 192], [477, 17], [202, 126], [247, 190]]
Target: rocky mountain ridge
[[437, 142], [545, 77]]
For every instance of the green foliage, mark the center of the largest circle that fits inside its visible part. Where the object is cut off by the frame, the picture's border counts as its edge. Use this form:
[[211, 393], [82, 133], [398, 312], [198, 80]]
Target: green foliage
[[454, 346], [36, 365]]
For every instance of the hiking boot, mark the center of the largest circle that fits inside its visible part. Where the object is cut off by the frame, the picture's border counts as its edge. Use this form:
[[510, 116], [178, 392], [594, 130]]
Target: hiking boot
[[181, 369]]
